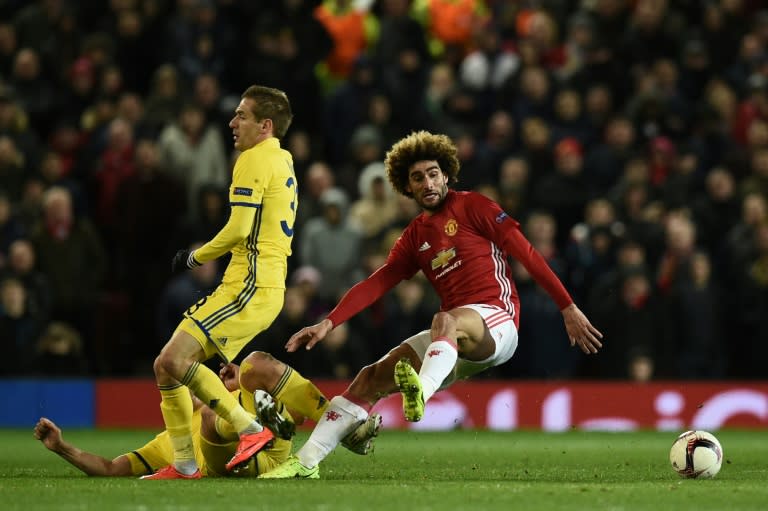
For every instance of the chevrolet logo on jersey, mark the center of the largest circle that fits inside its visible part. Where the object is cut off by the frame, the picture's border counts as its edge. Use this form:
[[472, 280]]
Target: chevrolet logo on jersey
[[443, 257]]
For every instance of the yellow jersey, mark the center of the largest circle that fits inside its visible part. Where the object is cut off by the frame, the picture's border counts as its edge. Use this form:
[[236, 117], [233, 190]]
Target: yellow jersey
[[263, 198]]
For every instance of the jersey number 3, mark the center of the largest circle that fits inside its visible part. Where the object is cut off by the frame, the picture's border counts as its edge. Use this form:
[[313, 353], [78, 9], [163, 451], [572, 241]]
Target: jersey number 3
[[288, 229]]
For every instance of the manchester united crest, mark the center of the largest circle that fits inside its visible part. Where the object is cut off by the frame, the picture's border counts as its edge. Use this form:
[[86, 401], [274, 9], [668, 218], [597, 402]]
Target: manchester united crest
[[451, 227]]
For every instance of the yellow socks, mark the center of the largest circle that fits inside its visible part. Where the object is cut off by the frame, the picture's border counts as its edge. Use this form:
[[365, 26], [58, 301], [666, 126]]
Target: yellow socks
[[207, 386], [300, 394], [176, 407]]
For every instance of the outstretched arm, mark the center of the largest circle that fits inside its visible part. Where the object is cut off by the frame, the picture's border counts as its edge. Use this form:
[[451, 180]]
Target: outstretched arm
[[91, 464], [580, 330], [360, 296]]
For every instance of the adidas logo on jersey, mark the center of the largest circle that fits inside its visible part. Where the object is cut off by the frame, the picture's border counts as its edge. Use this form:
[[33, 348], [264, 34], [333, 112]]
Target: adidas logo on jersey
[[425, 246]]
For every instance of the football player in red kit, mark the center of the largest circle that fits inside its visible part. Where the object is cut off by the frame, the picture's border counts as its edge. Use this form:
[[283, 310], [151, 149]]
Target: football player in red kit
[[461, 242]]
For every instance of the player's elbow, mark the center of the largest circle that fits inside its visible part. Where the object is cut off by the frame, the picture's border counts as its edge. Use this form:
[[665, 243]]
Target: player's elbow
[[118, 467], [108, 469], [112, 471]]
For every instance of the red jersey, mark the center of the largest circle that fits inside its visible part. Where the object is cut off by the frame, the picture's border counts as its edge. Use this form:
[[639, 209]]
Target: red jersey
[[462, 249]]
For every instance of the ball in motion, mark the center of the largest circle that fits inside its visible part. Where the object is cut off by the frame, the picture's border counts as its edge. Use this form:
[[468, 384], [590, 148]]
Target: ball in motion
[[696, 454]]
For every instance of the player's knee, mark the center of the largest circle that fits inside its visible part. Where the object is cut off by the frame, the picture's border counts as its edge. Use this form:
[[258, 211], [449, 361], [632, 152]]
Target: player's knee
[[443, 321], [260, 370], [168, 364], [159, 366], [257, 361]]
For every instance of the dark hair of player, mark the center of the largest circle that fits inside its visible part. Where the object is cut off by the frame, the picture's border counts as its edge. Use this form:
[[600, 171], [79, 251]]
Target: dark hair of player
[[420, 146], [269, 103]]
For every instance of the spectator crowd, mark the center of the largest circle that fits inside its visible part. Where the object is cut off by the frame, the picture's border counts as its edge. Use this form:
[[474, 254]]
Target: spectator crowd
[[628, 137]]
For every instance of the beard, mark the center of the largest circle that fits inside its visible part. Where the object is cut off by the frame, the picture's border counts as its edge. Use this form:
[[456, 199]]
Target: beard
[[434, 206]]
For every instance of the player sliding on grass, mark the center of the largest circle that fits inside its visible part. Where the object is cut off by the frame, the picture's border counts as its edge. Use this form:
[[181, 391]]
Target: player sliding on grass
[[215, 440], [460, 242]]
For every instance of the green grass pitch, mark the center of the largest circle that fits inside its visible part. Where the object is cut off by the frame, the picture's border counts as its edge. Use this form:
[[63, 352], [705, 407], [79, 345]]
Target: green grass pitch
[[461, 470]]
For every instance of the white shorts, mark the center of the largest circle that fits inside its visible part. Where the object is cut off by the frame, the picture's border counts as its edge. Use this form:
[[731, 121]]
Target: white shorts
[[503, 332]]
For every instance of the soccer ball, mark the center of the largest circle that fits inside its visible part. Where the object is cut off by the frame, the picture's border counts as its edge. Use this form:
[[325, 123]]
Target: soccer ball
[[696, 454]]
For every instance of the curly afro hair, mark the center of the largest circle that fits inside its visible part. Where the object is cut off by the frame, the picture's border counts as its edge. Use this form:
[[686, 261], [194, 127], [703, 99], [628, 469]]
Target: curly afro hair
[[420, 146]]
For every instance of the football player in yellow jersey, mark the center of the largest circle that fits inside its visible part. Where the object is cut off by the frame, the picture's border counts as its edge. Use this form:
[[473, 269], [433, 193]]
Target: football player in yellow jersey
[[215, 440], [258, 234]]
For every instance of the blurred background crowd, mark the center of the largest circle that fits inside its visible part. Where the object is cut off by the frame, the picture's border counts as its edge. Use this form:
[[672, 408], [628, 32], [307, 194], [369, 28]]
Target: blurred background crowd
[[628, 137]]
